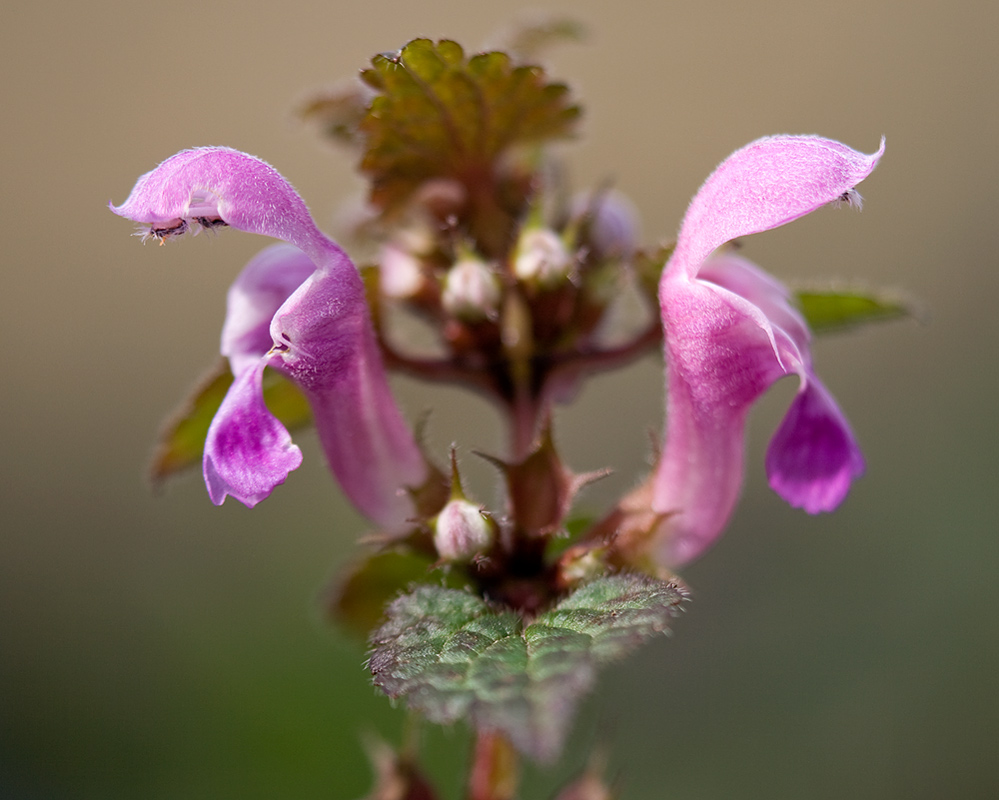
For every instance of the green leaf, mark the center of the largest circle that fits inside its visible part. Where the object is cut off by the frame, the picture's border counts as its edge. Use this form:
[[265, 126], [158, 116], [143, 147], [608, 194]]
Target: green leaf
[[831, 310], [439, 114], [182, 441], [452, 656]]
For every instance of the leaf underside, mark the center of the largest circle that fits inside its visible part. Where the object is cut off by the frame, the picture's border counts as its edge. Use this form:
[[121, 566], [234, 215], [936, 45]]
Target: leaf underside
[[452, 656]]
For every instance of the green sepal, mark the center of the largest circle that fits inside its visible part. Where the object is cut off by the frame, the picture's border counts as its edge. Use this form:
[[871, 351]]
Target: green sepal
[[838, 309], [181, 442], [452, 656]]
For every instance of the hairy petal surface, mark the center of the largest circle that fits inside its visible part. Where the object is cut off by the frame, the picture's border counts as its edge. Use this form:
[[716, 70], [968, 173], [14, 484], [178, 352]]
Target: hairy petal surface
[[766, 184], [813, 457], [327, 346], [731, 332], [219, 183], [261, 289], [720, 357], [247, 451]]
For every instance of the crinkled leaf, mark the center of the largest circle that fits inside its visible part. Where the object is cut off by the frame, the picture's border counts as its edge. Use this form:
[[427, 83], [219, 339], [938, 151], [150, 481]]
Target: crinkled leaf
[[452, 656], [182, 440], [440, 114], [830, 310]]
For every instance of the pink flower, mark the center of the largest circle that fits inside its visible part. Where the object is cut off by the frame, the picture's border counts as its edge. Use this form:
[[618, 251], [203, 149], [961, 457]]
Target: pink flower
[[731, 332], [299, 309]]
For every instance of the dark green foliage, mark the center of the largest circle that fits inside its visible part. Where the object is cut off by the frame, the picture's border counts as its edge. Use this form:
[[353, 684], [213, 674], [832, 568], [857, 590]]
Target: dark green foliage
[[452, 656]]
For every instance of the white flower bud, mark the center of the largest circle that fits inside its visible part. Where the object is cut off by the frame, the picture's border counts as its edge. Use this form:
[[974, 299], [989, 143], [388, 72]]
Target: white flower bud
[[471, 290], [541, 258], [401, 272], [462, 531]]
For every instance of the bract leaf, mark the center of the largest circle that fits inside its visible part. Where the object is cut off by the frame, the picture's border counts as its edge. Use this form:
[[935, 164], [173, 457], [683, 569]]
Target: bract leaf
[[452, 656], [182, 441], [440, 114], [836, 309]]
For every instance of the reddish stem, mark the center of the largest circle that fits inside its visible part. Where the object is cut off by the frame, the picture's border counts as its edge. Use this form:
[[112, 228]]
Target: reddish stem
[[495, 773]]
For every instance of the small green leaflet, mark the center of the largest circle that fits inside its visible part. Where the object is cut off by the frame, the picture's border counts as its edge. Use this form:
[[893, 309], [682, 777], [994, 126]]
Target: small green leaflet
[[832, 310], [452, 656]]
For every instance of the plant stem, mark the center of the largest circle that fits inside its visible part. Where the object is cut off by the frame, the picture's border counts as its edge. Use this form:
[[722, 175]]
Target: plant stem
[[524, 421], [495, 771]]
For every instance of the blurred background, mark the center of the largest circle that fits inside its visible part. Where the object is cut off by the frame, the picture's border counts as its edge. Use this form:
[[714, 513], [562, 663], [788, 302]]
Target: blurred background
[[159, 647]]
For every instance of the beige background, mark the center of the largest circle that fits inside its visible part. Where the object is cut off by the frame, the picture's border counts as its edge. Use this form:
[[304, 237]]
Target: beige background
[[158, 647]]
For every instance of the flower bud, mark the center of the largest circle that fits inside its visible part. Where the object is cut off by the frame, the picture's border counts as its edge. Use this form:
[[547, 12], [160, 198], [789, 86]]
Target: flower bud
[[402, 270], [441, 197], [462, 531], [471, 290], [541, 258], [611, 222]]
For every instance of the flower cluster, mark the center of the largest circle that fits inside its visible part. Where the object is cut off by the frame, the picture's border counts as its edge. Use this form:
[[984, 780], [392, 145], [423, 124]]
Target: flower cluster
[[519, 284], [730, 331]]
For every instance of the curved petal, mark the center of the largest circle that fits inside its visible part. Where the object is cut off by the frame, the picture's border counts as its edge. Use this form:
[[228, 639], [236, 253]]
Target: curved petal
[[766, 184], [151, 198], [247, 451], [721, 355], [814, 457], [327, 346], [773, 299], [265, 283], [208, 184]]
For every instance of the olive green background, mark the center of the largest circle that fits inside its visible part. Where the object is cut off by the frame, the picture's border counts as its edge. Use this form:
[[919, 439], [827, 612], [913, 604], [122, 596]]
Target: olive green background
[[159, 647]]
